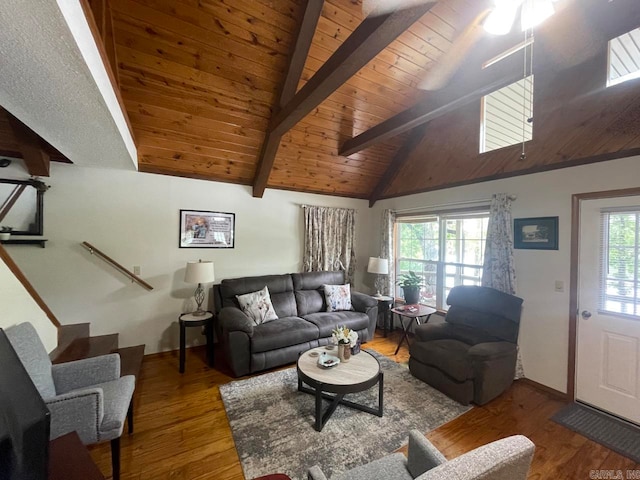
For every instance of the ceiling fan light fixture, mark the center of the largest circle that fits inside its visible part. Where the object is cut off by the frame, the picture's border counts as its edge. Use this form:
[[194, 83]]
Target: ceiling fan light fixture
[[500, 20], [534, 12]]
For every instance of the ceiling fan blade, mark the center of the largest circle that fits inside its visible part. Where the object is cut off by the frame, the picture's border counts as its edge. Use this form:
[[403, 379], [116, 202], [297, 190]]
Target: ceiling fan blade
[[451, 61]]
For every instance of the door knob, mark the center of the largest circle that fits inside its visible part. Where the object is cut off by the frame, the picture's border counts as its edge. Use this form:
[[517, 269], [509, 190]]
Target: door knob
[[586, 314]]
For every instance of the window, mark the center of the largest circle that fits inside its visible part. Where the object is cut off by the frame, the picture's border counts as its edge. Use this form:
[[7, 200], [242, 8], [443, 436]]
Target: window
[[619, 283], [446, 250], [506, 116], [624, 58]]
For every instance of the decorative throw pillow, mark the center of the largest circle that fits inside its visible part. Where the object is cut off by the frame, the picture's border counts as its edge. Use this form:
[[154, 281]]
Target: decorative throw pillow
[[338, 297], [258, 306]]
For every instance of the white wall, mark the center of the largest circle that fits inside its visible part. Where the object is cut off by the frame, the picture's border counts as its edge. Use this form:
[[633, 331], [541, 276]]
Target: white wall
[[545, 321], [18, 307], [133, 218]]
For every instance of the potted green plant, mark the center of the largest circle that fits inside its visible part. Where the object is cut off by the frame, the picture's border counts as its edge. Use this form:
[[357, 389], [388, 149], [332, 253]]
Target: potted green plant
[[410, 283]]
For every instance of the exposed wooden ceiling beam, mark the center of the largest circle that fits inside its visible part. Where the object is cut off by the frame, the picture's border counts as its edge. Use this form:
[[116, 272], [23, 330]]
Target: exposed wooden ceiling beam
[[372, 36], [32, 148], [469, 89], [611, 19], [298, 57], [392, 171]]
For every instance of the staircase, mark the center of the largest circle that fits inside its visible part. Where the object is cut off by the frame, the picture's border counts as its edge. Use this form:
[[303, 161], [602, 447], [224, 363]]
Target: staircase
[[75, 343]]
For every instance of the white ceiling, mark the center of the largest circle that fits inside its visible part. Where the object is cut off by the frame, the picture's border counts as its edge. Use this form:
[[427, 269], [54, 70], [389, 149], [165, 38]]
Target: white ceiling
[[46, 83]]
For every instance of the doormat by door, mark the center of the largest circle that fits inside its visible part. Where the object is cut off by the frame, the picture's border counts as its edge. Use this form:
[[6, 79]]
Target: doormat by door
[[620, 436]]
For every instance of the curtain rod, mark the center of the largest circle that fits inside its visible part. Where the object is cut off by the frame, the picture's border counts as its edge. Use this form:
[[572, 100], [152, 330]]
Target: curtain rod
[[452, 204]]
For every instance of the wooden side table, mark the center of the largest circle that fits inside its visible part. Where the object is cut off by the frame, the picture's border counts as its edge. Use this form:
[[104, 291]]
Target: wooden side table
[[408, 312], [191, 320]]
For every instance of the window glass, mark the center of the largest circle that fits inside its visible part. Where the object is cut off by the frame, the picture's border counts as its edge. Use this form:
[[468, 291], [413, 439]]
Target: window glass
[[624, 58], [619, 285], [446, 250], [506, 115]]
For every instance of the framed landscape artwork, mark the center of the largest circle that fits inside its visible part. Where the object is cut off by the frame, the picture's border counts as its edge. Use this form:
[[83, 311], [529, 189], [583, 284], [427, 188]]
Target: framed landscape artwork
[[539, 233], [203, 229]]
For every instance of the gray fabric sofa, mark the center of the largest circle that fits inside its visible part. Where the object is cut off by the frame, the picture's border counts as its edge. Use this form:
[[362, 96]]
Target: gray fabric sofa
[[302, 323], [472, 355], [505, 459]]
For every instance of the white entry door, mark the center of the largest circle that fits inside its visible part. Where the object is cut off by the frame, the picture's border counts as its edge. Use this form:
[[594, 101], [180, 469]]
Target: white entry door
[[608, 335]]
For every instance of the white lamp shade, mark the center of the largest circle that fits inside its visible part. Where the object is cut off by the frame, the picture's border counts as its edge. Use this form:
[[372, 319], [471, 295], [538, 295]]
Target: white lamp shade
[[378, 265], [199, 272]]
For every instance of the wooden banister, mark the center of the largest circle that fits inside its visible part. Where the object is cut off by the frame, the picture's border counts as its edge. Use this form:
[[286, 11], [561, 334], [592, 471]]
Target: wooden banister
[[27, 285], [134, 278]]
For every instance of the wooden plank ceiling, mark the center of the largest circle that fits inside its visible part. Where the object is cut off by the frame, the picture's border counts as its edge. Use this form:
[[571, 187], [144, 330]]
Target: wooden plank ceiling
[[202, 84]]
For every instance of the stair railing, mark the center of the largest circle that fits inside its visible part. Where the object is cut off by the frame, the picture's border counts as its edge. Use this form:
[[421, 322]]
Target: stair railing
[[134, 278]]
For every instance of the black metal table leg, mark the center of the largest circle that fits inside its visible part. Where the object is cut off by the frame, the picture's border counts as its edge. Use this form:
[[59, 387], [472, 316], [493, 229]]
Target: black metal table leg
[[182, 346]]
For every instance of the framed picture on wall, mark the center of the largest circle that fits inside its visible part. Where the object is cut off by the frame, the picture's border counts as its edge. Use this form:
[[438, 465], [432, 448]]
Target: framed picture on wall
[[203, 229], [540, 233]]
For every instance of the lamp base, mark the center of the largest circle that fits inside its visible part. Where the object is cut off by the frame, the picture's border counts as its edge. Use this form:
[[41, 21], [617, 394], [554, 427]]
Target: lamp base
[[199, 313]]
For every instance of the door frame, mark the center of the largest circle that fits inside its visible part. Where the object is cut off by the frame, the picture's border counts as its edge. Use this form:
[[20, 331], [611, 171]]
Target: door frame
[[576, 202]]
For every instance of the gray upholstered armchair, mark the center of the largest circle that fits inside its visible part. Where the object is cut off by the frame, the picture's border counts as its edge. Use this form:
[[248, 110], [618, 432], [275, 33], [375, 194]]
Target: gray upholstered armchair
[[472, 355], [506, 459], [87, 396]]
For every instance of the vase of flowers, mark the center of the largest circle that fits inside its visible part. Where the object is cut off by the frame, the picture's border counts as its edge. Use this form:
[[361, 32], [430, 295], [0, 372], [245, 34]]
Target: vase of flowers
[[346, 339]]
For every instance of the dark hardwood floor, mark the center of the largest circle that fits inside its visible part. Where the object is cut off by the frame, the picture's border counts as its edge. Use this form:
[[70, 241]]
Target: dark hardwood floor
[[182, 433]]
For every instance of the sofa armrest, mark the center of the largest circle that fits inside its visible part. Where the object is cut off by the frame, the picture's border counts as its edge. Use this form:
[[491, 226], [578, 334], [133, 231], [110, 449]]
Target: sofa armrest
[[362, 303], [432, 331], [492, 350], [86, 372], [315, 473], [506, 458], [233, 319], [80, 410], [422, 456]]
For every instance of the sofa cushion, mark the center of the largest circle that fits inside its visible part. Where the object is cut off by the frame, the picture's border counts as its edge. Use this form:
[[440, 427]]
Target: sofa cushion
[[449, 356], [257, 306], [310, 301], [327, 321], [444, 330], [280, 290], [315, 280], [495, 312], [282, 332], [338, 297]]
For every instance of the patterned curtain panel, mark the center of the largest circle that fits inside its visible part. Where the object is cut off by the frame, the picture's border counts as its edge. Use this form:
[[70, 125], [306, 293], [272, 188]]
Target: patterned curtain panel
[[329, 240], [499, 270], [386, 250]]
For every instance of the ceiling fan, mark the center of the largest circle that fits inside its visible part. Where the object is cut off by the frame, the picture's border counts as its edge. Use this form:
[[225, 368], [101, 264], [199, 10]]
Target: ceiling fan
[[486, 18]]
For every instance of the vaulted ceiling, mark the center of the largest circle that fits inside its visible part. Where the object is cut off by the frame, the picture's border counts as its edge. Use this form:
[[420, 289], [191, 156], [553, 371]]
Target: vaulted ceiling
[[311, 96]]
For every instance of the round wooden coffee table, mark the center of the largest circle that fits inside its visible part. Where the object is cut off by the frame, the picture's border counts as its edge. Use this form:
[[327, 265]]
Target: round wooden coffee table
[[360, 373]]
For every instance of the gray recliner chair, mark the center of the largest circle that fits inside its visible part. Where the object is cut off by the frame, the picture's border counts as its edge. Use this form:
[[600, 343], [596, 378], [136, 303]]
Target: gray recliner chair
[[87, 396], [506, 459], [472, 355]]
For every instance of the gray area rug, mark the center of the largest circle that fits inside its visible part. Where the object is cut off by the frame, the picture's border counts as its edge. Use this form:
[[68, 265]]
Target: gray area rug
[[273, 424], [613, 433]]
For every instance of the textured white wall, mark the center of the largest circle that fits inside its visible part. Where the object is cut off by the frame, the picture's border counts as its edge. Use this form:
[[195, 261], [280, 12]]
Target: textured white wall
[[544, 330], [18, 306], [133, 218]]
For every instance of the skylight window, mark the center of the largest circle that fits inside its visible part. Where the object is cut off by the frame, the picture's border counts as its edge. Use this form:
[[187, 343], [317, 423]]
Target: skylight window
[[506, 115], [624, 58]]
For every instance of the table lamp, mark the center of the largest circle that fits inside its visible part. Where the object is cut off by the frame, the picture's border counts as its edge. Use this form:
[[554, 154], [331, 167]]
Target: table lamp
[[199, 272], [378, 266]]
